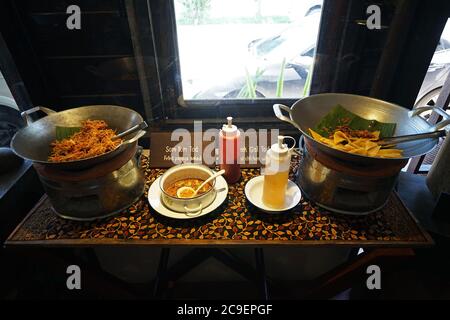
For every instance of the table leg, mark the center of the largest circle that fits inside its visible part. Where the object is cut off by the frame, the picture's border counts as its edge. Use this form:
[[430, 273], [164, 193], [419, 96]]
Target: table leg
[[190, 261], [197, 256], [227, 258], [261, 269], [160, 283], [354, 271]]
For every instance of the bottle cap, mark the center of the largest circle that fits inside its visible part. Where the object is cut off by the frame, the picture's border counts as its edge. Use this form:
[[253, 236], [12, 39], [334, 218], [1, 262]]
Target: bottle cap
[[280, 148], [229, 129]]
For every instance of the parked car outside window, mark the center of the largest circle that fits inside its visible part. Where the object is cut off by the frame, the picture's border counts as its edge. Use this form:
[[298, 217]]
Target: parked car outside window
[[268, 53]]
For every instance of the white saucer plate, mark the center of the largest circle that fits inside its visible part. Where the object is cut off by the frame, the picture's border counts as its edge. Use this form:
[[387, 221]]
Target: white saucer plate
[[254, 190], [154, 198]]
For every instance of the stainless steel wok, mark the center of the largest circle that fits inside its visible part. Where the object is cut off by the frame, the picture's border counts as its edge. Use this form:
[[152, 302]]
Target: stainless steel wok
[[308, 112], [34, 141]]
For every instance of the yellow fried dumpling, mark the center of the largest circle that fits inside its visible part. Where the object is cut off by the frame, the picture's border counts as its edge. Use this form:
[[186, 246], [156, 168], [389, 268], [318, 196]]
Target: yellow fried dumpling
[[370, 145], [319, 138], [343, 147], [373, 151], [356, 145], [376, 136], [389, 153], [359, 151], [340, 137]]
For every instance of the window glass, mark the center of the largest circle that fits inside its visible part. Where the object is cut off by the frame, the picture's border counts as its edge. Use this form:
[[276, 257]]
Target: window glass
[[10, 120], [246, 49], [437, 73]]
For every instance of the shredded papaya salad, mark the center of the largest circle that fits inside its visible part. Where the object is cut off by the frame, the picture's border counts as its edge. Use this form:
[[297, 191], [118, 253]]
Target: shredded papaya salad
[[94, 138]]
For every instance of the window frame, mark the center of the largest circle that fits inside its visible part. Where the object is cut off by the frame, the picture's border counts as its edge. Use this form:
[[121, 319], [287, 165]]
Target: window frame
[[162, 14]]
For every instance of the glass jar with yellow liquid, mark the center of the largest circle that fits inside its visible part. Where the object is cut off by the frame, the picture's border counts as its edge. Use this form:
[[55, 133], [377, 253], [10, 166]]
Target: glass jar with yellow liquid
[[276, 174]]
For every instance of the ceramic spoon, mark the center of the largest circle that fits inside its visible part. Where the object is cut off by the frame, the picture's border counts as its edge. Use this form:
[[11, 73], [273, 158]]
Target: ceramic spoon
[[192, 193]]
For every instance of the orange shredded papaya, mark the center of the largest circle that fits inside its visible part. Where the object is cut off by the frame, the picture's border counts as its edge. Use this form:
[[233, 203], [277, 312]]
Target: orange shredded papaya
[[95, 138]]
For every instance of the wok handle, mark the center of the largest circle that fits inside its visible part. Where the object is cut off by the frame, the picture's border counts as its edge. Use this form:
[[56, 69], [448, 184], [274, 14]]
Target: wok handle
[[438, 126], [441, 125], [277, 108], [438, 110], [26, 114]]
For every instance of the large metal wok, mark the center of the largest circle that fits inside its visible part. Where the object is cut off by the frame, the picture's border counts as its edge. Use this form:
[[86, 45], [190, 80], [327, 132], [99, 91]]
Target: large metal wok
[[308, 112], [34, 141]]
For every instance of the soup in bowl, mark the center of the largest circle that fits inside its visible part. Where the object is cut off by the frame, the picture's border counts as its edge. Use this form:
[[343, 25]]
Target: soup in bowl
[[187, 175], [186, 188]]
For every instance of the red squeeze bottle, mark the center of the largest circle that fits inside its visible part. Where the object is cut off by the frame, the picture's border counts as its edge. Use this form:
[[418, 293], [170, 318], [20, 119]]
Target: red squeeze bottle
[[229, 151]]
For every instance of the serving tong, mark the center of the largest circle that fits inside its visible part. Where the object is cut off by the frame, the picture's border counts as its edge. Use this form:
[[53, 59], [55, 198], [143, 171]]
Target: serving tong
[[391, 141], [141, 126]]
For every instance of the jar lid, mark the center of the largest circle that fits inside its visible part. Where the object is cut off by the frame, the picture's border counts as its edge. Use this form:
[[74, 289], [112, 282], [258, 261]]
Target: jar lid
[[229, 129]]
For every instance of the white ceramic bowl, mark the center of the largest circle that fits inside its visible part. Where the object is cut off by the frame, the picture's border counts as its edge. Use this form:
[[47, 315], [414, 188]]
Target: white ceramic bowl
[[191, 206]]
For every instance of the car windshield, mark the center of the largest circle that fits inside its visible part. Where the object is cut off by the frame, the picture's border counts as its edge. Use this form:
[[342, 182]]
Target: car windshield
[[268, 45]]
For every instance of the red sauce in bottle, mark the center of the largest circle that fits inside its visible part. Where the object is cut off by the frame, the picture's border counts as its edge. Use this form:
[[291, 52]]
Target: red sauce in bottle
[[229, 151]]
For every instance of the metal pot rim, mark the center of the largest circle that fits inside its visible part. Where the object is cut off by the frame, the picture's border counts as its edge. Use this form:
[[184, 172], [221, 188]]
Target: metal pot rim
[[305, 113], [51, 119]]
